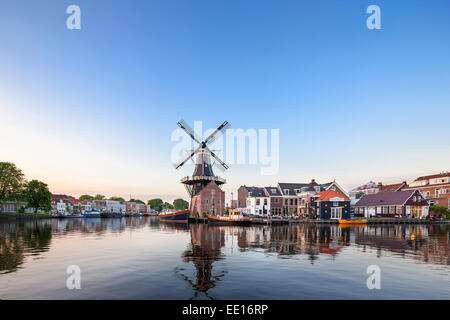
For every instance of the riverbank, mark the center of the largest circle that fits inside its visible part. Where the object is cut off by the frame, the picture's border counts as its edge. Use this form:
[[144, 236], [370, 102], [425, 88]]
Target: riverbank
[[24, 216]]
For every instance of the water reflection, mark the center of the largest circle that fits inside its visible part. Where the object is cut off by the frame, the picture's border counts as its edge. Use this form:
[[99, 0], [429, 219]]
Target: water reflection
[[205, 263]]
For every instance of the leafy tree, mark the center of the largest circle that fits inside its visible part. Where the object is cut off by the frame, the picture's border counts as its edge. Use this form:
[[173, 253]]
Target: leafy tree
[[137, 201], [156, 204], [86, 197], [99, 197], [180, 204], [11, 181], [117, 199], [168, 205], [38, 196]]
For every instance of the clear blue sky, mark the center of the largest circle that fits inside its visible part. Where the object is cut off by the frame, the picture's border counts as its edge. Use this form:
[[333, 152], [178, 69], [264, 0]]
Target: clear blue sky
[[92, 110]]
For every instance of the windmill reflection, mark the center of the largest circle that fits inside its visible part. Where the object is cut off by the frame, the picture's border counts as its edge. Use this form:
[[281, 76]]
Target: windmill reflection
[[203, 250]]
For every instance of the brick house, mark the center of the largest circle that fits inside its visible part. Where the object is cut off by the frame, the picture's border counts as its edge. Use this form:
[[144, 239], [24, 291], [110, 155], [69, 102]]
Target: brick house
[[408, 203], [435, 188], [276, 200], [210, 200]]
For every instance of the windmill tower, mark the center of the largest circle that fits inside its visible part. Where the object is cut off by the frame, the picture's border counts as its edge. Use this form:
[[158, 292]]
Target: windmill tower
[[203, 186]]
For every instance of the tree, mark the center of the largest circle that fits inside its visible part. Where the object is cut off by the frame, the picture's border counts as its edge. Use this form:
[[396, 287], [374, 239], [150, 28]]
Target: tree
[[117, 199], [38, 196], [168, 205], [137, 201], [11, 181], [99, 197], [86, 197], [180, 204], [156, 204]]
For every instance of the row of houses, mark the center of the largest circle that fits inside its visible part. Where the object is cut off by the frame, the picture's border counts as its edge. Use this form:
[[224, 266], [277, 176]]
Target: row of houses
[[331, 201], [64, 204], [309, 199]]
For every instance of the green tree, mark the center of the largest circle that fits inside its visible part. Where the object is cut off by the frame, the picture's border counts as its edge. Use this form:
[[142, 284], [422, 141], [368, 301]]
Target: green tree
[[137, 201], [86, 197], [38, 196], [180, 204], [117, 199], [99, 197], [11, 181], [168, 205], [156, 204]]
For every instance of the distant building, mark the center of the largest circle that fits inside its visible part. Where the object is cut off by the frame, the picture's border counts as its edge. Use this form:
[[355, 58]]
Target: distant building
[[435, 188], [330, 204], [368, 188], [409, 203]]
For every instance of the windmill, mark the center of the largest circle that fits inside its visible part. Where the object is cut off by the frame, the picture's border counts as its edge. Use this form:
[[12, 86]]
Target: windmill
[[203, 172]]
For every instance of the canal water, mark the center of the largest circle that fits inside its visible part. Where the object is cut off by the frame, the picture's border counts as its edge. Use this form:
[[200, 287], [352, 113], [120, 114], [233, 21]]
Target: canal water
[[141, 258]]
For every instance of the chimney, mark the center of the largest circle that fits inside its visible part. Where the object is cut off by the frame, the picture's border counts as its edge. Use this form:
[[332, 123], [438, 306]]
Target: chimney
[[380, 185]]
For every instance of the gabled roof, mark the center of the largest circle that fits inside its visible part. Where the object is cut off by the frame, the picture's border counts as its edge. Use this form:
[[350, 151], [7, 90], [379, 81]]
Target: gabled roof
[[385, 198], [391, 187], [328, 194], [299, 186], [256, 192], [272, 191]]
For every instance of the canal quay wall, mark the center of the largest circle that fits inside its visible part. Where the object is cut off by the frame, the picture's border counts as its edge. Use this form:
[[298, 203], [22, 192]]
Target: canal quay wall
[[292, 221]]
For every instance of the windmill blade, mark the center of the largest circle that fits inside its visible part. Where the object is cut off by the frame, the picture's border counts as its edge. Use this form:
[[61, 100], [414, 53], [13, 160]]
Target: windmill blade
[[221, 129], [191, 133], [187, 159], [223, 164]]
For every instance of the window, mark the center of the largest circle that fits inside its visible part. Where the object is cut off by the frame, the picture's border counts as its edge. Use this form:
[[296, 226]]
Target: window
[[265, 202], [336, 213], [257, 202], [286, 191], [335, 203], [275, 200], [297, 190], [392, 210], [385, 210]]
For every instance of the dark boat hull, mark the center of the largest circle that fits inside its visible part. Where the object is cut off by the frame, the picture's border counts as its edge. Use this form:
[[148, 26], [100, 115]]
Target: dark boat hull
[[177, 217], [228, 223]]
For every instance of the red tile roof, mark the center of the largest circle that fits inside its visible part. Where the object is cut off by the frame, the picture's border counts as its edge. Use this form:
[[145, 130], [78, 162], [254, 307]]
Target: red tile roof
[[440, 175], [391, 187], [326, 195]]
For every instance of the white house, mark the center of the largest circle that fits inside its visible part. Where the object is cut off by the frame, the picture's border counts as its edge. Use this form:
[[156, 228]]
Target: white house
[[258, 203]]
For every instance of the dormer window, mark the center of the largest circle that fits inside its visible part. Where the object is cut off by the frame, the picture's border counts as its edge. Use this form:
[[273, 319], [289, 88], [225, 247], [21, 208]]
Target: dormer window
[[286, 191]]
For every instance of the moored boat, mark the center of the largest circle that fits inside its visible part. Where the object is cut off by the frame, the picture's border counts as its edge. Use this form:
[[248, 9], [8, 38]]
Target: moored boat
[[91, 214], [178, 216], [232, 218], [345, 221]]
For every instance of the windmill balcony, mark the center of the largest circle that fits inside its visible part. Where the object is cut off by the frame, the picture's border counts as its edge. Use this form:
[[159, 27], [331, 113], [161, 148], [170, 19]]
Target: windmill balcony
[[202, 178]]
